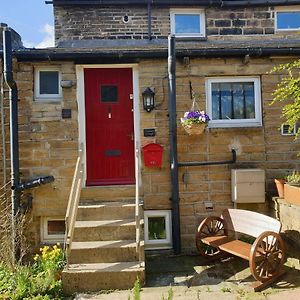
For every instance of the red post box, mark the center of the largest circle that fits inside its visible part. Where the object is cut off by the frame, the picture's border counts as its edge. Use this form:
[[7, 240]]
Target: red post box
[[153, 155]]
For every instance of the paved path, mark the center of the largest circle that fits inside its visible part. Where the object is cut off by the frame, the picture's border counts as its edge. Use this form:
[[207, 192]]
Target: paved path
[[190, 278]]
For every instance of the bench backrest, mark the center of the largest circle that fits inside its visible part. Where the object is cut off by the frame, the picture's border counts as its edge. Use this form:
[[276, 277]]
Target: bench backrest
[[249, 222]]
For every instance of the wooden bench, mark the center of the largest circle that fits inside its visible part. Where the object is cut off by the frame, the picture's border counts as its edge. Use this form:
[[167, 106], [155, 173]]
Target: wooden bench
[[266, 256]]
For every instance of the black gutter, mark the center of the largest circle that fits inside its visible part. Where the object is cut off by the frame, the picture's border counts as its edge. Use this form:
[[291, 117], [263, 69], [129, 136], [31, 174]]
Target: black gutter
[[202, 3], [134, 55], [173, 146], [209, 163], [149, 20], [14, 137]]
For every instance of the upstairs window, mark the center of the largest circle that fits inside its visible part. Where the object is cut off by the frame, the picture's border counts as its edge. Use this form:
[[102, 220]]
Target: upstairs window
[[234, 101], [187, 23], [47, 84], [287, 20]]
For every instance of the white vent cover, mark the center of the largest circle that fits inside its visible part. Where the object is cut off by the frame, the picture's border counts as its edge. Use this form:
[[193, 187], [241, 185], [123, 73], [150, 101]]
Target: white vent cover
[[285, 130]]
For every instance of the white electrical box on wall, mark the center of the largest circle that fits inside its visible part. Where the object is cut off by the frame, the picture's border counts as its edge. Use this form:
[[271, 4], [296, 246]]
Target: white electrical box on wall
[[248, 185]]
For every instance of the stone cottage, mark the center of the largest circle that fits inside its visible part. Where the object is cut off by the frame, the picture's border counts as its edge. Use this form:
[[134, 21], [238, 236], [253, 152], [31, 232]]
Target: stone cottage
[[89, 94]]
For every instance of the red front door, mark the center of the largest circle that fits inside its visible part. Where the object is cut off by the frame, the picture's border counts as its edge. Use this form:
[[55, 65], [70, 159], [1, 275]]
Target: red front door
[[109, 126]]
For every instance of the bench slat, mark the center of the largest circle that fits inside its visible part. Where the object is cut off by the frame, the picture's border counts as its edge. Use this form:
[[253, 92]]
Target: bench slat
[[249, 222], [238, 248], [215, 241]]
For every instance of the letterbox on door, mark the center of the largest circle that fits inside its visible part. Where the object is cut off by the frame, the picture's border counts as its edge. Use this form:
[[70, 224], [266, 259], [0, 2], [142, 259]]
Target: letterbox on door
[[153, 155]]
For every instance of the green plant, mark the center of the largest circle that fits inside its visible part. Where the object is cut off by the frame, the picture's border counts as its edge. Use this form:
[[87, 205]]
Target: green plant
[[40, 281], [137, 290], [293, 179], [170, 295], [226, 290], [288, 90]]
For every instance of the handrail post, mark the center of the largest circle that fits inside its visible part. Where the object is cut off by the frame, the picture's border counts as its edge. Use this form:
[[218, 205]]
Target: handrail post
[[73, 203], [137, 206]]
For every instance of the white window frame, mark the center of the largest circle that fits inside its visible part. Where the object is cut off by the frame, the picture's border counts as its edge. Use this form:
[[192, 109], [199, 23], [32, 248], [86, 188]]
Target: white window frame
[[200, 12], [46, 97], [45, 236], [162, 243], [256, 122], [285, 9]]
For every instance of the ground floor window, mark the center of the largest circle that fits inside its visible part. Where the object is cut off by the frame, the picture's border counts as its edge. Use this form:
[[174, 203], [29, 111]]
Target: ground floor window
[[53, 229], [234, 101], [158, 229]]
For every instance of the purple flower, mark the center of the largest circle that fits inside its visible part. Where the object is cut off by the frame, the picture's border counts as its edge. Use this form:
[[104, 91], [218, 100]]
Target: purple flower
[[195, 117]]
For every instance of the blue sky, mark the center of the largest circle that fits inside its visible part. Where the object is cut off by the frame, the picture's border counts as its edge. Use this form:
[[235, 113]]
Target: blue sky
[[32, 19]]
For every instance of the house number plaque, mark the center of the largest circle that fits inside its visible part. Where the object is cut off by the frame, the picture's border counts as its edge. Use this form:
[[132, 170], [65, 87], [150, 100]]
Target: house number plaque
[[149, 132]]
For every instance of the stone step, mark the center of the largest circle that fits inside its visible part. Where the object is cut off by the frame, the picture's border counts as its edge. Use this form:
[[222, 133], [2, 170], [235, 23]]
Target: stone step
[[101, 276], [104, 251], [105, 230], [107, 193], [106, 211]]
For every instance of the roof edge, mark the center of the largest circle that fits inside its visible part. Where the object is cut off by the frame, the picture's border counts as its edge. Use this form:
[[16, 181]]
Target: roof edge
[[208, 3], [135, 55]]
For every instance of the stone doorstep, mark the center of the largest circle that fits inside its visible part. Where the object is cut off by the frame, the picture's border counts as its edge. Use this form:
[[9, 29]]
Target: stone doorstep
[[98, 276], [108, 193], [104, 223], [107, 211], [105, 230], [104, 251]]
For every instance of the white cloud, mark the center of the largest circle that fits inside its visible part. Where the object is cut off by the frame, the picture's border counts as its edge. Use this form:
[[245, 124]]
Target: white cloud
[[48, 40], [28, 44]]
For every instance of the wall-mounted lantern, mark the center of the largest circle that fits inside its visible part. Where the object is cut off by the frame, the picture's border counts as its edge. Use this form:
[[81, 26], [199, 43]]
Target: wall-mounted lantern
[[148, 99]]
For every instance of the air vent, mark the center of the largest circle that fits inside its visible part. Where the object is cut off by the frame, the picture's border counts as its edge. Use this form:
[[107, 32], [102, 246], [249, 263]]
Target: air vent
[[285, 130]]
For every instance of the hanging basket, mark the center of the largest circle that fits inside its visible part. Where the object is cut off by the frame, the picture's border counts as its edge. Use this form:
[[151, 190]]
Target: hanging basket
[[194, 129]]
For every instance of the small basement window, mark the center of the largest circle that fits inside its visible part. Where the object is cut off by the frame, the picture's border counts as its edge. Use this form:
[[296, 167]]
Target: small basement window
[[53, 229], [234, 101], [157, 229], [47, 84], [287, 20], [187, 22]]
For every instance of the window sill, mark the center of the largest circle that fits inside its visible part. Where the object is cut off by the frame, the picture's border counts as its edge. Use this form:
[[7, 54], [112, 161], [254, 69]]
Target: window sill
[[48, 100], [191, 38], [235, 125], [160, 246]]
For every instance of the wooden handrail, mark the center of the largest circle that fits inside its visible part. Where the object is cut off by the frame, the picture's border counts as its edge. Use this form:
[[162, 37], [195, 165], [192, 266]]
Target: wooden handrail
[[72, 208], [137, 205]]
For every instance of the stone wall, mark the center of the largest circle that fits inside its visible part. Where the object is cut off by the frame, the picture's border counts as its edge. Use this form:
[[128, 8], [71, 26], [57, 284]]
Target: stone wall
[[260, 147], [49, 144], [93, 22], [289, 216]]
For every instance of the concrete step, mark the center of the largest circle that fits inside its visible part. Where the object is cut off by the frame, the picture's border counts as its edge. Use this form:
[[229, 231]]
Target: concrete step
[[105, 230], [106, 211], [101, 276], [107, 193], [104, 251]]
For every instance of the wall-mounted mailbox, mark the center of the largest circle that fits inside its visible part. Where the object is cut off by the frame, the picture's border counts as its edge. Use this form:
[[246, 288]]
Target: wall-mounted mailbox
[[153, 155]]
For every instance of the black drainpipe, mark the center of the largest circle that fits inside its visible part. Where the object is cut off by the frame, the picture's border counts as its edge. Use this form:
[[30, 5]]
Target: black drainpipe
[[173, 146], [14, 138], [149, 20]]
